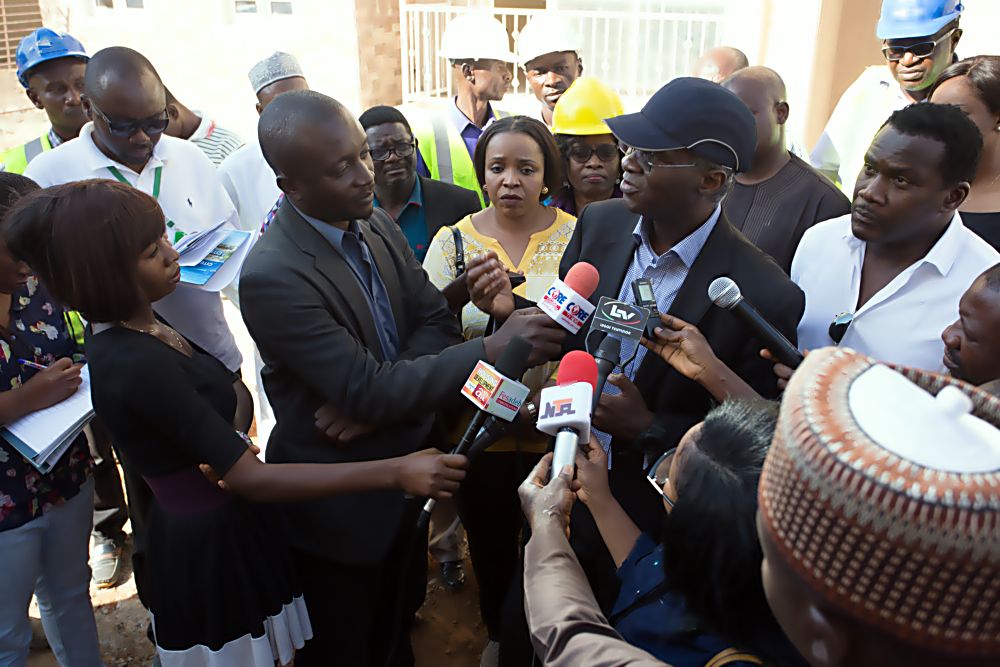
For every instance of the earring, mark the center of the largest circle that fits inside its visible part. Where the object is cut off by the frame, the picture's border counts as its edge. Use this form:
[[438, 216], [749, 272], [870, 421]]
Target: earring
[[545, 190], [484, 188]]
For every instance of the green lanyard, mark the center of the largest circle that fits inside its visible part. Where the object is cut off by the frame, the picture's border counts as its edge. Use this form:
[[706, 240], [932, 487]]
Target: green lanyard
[[157, 178]]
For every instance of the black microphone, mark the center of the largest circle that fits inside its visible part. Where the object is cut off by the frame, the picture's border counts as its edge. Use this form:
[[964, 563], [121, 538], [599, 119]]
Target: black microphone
[[725, 293], [513, 363], [608, 355]]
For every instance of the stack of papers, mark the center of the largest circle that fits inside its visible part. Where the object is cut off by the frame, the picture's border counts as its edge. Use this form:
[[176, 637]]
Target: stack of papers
[[43, 437], [211, 259]]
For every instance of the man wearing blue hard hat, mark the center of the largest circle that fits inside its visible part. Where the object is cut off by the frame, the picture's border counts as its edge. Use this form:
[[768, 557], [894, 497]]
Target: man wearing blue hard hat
[[50, 66], [918, 41]]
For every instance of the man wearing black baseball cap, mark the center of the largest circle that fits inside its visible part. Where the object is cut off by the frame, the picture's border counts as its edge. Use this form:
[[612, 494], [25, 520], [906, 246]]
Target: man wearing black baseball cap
[[681, 153]]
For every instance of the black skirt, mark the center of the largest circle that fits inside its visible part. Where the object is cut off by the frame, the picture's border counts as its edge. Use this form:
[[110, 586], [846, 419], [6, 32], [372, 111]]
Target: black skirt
[[222, 589]]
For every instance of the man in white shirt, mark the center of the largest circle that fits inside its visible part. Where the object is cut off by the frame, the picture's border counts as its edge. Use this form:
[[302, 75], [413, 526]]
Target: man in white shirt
[[887, 278], [918, 41], [126, 103], [248, 180]]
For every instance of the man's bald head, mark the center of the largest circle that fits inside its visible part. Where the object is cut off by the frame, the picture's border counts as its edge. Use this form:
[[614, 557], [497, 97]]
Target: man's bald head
[[719, 62], [126, 101], [763, 78], [117, 67], [763, 91], [286, 126], [319, 154]]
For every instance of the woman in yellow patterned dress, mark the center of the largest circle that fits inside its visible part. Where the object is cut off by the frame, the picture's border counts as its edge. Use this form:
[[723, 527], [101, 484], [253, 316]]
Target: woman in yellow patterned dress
[[518, 165]]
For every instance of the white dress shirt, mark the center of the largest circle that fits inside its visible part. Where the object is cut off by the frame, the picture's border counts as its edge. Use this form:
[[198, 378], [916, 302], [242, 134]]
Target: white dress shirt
[[861, 111], [191, 198], [250, 183], [902, 322]]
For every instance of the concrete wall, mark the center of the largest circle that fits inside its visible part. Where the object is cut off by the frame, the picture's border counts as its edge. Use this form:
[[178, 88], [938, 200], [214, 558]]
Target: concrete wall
[[203, 50]]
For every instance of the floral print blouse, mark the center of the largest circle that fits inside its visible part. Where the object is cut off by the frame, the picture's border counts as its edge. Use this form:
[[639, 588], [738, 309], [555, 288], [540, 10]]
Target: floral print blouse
[[38, 332]]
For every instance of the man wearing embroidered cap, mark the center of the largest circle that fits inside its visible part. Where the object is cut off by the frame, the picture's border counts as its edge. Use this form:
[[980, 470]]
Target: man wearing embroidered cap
[[477, 49], [248, 180], [880, 516], [919, 38], [50, 66], [681, 152], [549, 51]]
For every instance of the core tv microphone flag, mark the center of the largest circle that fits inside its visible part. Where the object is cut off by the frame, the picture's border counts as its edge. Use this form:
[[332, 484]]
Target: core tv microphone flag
[[566, 301], [565, 409]]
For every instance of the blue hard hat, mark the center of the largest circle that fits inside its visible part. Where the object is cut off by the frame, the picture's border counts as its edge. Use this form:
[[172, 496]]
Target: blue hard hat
[[905, 19], [45, 44]]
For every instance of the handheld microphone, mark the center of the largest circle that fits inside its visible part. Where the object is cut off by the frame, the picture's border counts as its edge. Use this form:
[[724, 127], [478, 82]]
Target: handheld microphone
[[566, 407], [566, 300], [608, 355], [725, 293], [492, 390]]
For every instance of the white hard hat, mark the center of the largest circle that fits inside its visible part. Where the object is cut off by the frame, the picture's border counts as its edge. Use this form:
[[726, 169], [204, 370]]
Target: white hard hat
[[546, 33], [478, 37]]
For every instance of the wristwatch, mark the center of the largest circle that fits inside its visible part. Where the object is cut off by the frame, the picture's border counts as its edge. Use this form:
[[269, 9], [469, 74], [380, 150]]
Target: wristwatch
[[532, 410]]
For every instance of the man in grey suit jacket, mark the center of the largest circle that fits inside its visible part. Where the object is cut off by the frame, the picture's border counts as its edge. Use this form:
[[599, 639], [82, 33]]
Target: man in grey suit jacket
[[343, 314]]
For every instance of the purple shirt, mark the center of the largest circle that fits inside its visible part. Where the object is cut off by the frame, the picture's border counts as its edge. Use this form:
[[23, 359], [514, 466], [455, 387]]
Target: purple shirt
[[469, 131]]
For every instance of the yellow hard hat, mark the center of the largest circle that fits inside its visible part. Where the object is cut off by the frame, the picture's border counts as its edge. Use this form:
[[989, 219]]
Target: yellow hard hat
[[583, 107]]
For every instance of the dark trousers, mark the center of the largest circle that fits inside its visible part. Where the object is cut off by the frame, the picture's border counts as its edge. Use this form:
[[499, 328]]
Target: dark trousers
[[361, 615], [491, 513], [110, 508]]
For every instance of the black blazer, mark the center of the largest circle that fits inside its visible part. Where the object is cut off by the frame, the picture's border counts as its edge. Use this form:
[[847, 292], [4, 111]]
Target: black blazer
[[317, 337], [604, 238], [445, 204]]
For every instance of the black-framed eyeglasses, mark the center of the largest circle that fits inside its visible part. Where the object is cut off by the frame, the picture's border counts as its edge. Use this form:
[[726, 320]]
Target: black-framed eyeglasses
[[583, 152], [919, 50], [646, 158], [839, 326], [382, 153], [126, 128], [659, 482]]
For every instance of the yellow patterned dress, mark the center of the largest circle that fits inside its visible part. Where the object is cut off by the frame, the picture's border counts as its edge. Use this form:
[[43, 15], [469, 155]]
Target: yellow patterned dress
[[539, 264]]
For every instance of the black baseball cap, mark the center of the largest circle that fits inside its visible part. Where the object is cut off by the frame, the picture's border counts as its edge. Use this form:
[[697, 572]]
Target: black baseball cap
[[695, 114]]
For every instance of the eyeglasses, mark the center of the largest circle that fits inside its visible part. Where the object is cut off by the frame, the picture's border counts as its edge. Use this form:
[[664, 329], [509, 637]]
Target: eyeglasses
[[152, 125], [660, 482], [839, 326], [919, 50], [382, 153], [645, 158], [582, 152]]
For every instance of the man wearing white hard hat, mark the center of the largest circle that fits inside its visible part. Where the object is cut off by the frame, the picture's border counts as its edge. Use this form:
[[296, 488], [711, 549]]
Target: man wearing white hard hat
[[477, 48], [549, 51]]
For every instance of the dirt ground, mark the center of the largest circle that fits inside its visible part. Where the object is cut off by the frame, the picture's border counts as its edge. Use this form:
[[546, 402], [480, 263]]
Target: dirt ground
[[448, 633]]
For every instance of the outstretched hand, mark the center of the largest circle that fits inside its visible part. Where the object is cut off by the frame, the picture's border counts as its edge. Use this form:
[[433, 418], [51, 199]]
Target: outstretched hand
[[544, 501], [683, 346], [489, 286]]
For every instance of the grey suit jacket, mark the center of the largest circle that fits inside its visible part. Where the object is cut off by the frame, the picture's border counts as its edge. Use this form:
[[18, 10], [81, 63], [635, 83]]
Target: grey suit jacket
[[308, 315]]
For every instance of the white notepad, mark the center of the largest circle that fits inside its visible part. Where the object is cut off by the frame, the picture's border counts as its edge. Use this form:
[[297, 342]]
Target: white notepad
[[43, 436]]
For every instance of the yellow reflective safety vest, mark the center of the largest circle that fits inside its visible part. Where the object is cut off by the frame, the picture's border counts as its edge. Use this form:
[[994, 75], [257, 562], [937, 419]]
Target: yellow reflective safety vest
[[16, 159], [444, 152]]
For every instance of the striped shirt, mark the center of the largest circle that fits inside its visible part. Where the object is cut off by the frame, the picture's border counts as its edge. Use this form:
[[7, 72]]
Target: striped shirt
[[214, 141], [667, 273]]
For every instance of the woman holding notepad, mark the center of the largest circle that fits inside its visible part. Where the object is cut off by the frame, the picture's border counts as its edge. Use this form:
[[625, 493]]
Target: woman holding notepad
[[218, 578], [45, 518]]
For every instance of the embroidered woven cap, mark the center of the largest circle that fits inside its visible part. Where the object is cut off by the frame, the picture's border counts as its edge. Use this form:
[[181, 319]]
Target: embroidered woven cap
[[882, 491], [276, 67]]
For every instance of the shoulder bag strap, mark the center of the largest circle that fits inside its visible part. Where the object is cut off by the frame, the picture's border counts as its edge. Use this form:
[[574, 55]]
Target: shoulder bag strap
[[731, 655]]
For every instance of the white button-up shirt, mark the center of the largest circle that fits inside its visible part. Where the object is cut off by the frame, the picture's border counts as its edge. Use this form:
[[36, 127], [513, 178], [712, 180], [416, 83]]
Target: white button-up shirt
[[855, 121], [902, 322], [190, 196]]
